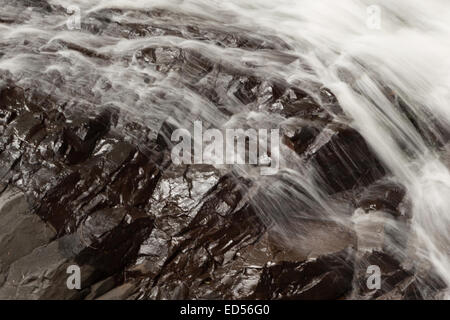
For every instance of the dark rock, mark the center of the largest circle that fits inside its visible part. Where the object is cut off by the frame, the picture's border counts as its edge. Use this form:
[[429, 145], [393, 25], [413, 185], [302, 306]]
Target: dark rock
[[102, 287], [96, 189], [12, 103], [433, 131], [163, 139], [164, 58], [385, 203], [396, 282], [121, 292], [324, 278], [80, 165], [247, 90], [295, 103], [59, 44], [195, 66], [384, 196], [99, 252], [301, 139], [81, 137], [27, 125], [20, 231], [160, 22], [344, 161], [110, 254], [329, 101], [31, 276], [208, 245], [37, 4], [391, 273]]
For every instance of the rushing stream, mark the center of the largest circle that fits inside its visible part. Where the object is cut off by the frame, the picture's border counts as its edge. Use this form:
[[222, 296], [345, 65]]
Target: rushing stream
[[385, 66]]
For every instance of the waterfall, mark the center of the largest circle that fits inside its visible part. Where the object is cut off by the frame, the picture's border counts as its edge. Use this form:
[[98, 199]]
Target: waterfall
[[386, 62]]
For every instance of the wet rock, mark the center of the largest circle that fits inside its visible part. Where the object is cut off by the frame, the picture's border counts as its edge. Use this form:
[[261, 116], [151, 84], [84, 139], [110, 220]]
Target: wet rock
[[101, 287], [247, 90], [98, 224], [433, 131], [300, 140], [164, 58], [195, 66], [327, 277], [119, 293], [180, 194], [12, 103], [221, 253], [343, 160], [329, 101], [78, 167], [370, 229], [163, 139], [296, 103], [20, 230], [176, 200], [383, 196], [81, 137], [31, 276], [404, 290], [222, 227], [117, 249], [329, 237], [103, 195], [397, 281], [59, 44], [27, 125], [86, 186], [99, 252], [161, 22], [37, 4], [391, 273], [382, 220]]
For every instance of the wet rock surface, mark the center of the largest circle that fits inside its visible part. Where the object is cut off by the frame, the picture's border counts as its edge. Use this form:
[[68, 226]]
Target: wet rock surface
[[327, 277], [344, 161], [94, 187], [397, 282]]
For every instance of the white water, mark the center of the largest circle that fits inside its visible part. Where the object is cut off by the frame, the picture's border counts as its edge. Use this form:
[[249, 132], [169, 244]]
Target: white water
[[410, 55]]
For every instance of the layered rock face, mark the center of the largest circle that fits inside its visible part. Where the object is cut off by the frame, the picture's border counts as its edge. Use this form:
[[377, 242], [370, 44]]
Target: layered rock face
[[95, 188]]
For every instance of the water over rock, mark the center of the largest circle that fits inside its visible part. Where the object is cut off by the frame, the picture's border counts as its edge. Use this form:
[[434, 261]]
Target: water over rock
[[86, 177]]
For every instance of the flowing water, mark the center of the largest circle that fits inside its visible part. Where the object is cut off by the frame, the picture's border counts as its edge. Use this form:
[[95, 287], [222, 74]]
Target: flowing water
[[370, 68]]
